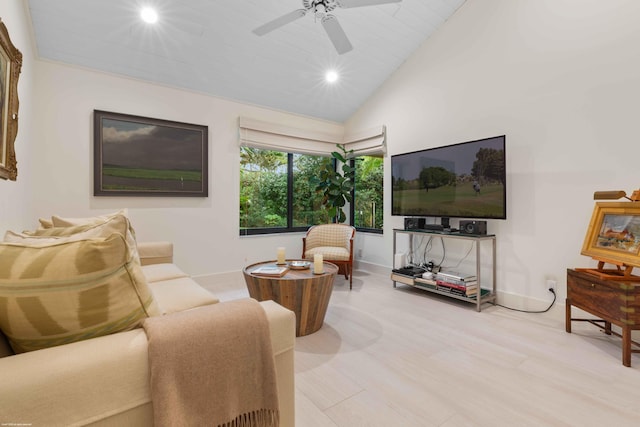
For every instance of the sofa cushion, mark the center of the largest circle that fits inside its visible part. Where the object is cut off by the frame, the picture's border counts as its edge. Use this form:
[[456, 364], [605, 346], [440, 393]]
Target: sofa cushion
[[159, 272], [180, 294], [155, 252], [56, 293]]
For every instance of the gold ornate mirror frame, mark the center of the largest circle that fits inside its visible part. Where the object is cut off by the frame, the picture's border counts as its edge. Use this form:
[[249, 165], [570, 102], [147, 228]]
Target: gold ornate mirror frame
[[10, 64]]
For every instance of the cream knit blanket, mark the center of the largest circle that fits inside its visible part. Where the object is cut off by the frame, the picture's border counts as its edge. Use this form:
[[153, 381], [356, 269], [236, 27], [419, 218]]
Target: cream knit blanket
[[213, 366]]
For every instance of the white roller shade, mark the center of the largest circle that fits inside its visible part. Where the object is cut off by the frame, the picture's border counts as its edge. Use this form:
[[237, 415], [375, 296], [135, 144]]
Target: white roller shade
[[273, 136], [371, 141]]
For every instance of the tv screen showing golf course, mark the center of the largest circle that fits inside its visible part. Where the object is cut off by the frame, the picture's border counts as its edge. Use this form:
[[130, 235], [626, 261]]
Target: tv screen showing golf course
[[466, 180]]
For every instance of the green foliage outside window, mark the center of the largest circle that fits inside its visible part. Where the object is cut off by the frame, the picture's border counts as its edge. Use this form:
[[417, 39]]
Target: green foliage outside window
[[368, 212], [307, 203], [264, 191], [263, 188]]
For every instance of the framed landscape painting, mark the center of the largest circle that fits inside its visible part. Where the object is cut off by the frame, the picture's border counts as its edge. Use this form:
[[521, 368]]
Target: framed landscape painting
[[141, 156], [614, 234]]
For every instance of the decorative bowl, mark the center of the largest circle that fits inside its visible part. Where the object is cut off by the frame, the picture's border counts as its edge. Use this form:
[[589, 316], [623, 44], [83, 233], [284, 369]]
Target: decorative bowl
[[299, 265]]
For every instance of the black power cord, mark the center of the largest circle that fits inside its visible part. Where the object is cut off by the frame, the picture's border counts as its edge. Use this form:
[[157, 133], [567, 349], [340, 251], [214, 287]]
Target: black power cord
[[534, 312]]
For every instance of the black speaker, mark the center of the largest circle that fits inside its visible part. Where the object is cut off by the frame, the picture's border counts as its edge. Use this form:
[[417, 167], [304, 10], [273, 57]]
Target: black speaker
[[473, 227], [414, 223]]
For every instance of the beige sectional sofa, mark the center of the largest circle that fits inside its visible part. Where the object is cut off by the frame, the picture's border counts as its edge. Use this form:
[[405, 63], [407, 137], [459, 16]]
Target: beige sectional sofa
[[104, 381]]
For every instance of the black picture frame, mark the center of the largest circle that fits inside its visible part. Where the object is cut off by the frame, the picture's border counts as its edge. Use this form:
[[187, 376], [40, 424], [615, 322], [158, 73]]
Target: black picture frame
[[142, 156]]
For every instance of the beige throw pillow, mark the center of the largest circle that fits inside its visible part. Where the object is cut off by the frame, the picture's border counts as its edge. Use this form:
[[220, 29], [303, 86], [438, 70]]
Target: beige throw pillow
[[57, 293], [116, 223], [45, 223], [58, 221]]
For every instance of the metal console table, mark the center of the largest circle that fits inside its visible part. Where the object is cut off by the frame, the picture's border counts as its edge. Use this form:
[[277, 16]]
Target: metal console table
[[489, 296]]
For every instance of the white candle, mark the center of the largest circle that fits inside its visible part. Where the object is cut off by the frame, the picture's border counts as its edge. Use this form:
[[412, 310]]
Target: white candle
[[281, 256], [317, 263]]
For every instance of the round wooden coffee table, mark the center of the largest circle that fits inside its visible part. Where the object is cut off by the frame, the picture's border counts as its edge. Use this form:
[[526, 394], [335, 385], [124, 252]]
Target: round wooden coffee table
[[301, 291]]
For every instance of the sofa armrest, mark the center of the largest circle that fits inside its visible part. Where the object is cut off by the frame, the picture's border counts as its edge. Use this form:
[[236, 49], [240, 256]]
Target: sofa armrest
[[282, 327], [281, 322], [102, 381], [155, 252], [76, 384]]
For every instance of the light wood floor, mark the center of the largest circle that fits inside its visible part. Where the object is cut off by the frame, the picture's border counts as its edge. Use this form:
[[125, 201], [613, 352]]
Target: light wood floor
[[404, 357]]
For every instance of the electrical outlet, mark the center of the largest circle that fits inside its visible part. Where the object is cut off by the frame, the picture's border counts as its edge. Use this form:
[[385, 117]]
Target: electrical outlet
[[551, 284], [359, 253]]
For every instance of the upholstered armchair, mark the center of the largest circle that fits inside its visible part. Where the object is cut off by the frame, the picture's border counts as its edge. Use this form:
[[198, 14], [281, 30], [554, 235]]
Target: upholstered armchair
[[335, 243]]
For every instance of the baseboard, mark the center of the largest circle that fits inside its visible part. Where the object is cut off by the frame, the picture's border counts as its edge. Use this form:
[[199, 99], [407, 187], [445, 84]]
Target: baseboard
[[516, 301], [527, 303], [371, 267]]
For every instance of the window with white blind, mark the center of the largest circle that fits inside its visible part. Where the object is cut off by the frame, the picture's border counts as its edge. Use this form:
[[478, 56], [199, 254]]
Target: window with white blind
[[276, 166]]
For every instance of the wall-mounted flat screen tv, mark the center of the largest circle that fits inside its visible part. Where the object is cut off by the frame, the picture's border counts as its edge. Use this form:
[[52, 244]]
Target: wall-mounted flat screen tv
[[466, 180]]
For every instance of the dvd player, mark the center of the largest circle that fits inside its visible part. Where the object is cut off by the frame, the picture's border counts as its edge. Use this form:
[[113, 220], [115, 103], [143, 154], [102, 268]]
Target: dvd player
[[410, 271], [433, 227]]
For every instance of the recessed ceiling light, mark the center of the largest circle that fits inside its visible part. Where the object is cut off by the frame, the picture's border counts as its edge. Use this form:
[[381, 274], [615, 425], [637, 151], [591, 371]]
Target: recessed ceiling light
[[331, 76], [149, 15]]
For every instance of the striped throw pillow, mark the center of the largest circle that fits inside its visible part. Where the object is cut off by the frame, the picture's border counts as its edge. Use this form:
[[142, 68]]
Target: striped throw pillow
[[99, 228], [57, 293], [58, 221]]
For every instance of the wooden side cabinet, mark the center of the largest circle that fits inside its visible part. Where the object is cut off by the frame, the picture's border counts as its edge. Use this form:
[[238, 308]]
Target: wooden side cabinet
[[615, 302]]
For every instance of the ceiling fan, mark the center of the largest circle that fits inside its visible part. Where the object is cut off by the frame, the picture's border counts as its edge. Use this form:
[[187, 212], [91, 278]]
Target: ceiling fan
[[321, 9]]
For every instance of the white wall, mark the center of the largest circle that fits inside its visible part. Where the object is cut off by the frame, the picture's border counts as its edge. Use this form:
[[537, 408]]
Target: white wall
[[561, 78], [16, 196], [204, 230]]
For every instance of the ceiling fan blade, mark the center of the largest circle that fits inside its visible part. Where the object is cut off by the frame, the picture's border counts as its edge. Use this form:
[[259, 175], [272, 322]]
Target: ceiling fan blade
[[279, 22], [336, 34], [345, 4]]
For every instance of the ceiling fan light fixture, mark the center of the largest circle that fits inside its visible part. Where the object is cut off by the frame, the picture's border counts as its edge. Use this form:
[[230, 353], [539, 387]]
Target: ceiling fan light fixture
[[149, 15], [325, 6], [320, 10]]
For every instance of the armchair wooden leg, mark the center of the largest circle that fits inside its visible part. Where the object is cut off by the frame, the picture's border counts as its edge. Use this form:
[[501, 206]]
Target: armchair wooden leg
[[350, 276]]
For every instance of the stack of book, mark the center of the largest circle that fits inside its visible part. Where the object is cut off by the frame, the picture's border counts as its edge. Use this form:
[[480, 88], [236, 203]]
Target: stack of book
[[457, 283], [271, 271]]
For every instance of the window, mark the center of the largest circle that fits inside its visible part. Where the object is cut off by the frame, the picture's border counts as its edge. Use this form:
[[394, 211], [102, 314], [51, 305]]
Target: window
[[275, 195], [263, 184], [307, 204], [367, 209]]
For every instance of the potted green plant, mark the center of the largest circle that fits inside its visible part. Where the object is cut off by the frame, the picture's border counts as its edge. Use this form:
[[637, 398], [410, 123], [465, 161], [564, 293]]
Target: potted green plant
[[336, 187]]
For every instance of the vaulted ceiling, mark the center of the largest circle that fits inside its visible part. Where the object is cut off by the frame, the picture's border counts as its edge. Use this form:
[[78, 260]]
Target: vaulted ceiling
[[207, 46]]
